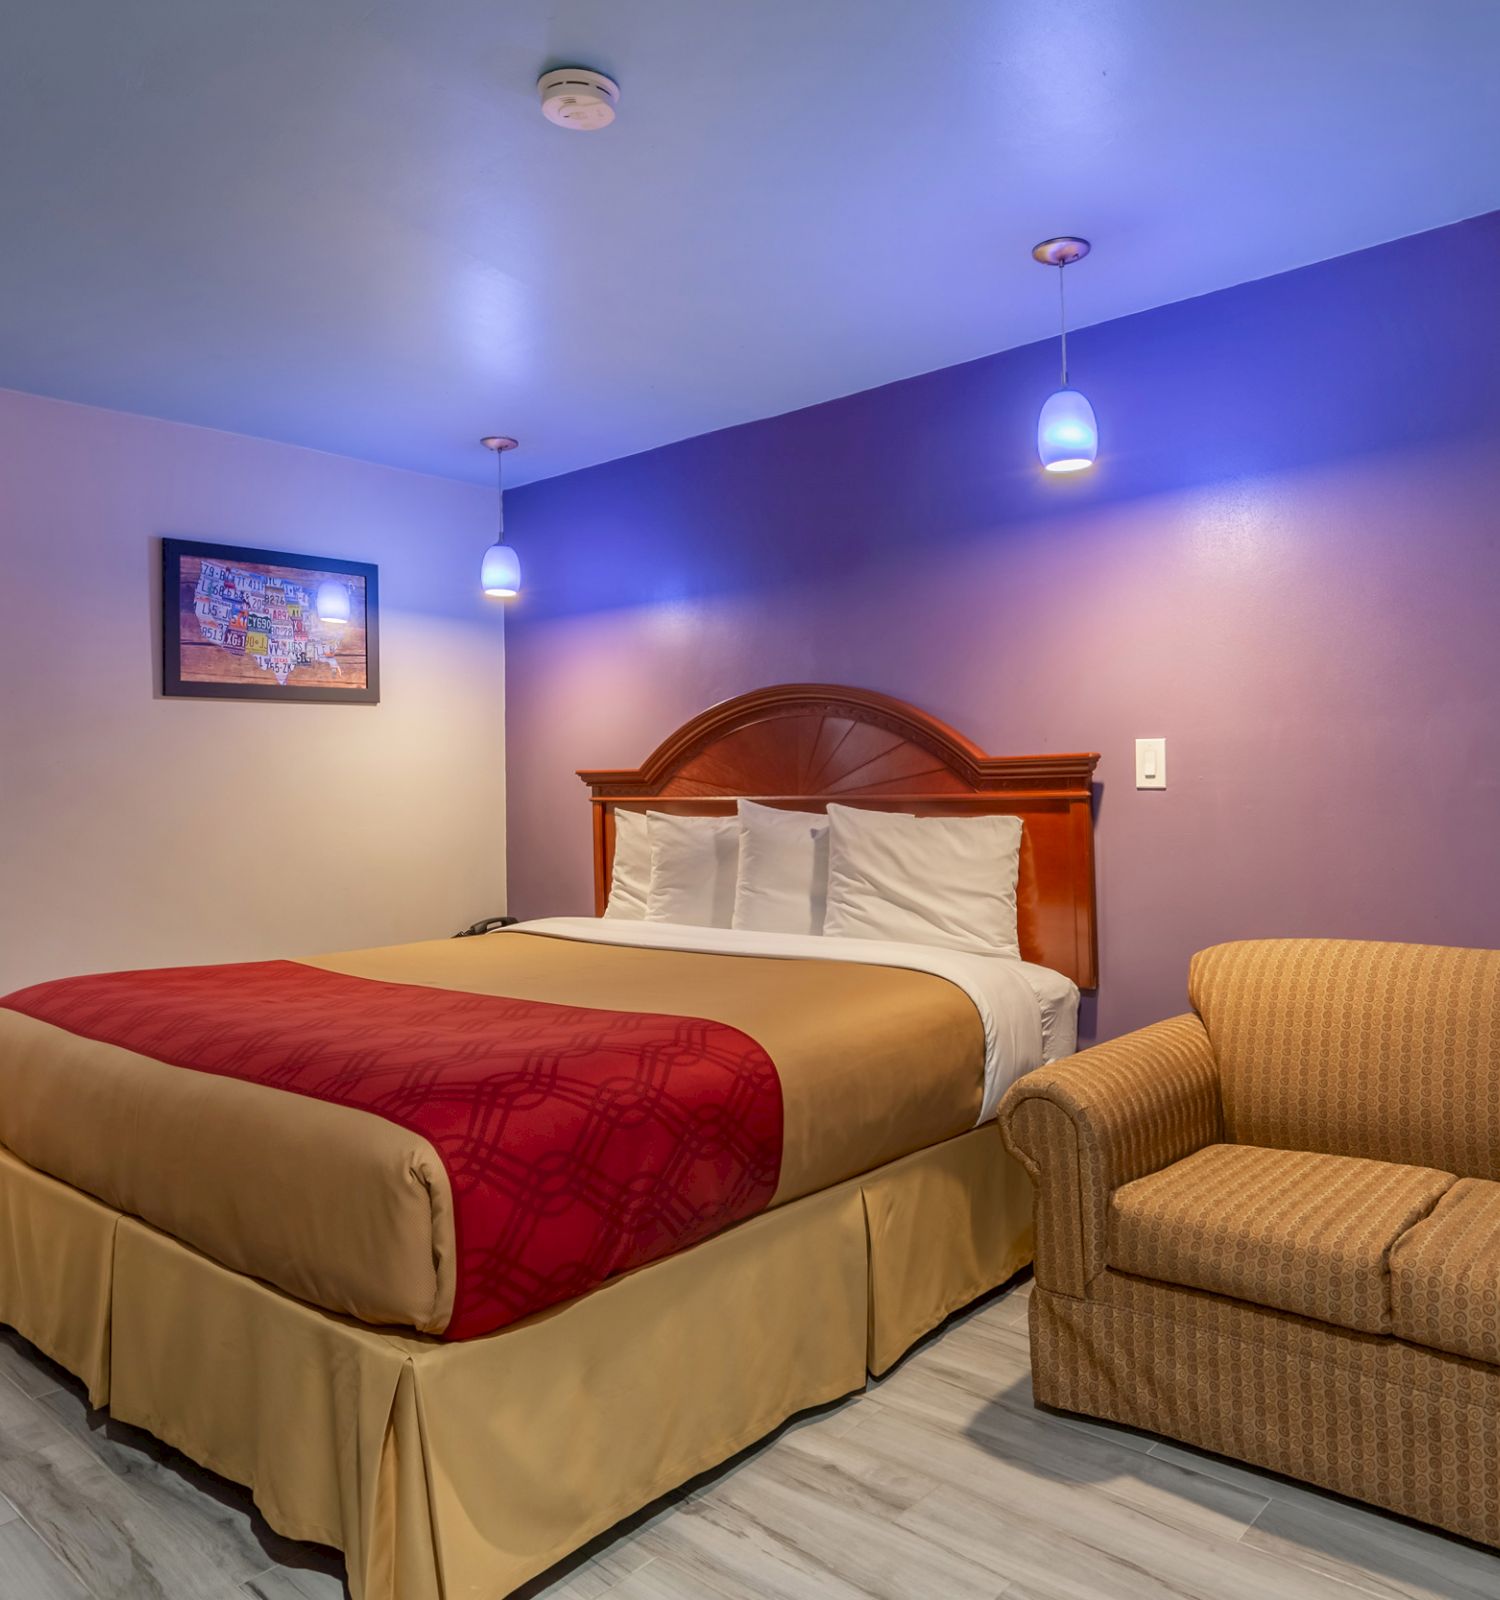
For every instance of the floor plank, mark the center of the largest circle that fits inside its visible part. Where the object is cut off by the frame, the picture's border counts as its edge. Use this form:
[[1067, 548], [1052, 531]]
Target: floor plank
[[663, 1579], [1016, 1464], [941, 1482], [835, 1520], [1051, 1546], [282, 1583], [113, 1543], [29, 1570], [1385, 1557], [27, 1367], [198, 1505]]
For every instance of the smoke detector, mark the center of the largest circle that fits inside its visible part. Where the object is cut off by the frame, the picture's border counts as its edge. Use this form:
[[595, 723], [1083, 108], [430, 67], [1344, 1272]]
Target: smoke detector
[[578, 98]]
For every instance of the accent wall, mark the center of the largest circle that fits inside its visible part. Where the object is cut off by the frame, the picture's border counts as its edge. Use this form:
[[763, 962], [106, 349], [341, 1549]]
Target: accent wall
[[1286, 562], [141, 831]]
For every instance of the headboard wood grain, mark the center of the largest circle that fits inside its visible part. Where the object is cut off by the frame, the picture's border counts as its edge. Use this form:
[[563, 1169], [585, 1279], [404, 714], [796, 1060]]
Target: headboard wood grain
[[800, 745]]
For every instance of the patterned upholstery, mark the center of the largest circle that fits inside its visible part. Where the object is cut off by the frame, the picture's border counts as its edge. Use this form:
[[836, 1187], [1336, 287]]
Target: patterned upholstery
[[1357, 1049], [1291, 1229], [1085, 1125], [1272, 1184], [1411, 1429], [1445, 1275]]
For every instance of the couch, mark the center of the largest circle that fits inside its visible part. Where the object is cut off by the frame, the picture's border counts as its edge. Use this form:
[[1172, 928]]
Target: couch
[[1271, 1227]]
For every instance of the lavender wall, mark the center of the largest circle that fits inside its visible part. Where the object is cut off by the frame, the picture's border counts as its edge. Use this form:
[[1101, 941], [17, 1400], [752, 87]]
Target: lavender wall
[[141, 831], [1286, 561]]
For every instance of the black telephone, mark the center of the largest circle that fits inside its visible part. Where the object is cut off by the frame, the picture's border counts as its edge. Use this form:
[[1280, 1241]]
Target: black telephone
[[485, 925]]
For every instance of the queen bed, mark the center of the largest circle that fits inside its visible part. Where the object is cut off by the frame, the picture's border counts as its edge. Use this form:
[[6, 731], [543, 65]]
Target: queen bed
[[458, 1252]]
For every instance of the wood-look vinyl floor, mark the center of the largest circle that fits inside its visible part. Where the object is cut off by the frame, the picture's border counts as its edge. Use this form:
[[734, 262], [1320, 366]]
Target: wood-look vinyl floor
[[942, 1482]]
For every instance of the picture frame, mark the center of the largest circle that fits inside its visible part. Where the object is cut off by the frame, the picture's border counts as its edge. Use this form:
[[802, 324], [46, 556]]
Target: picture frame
[[240, 623]]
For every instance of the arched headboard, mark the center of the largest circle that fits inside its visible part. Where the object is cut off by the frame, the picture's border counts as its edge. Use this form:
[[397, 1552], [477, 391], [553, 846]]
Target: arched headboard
[[800, 745]]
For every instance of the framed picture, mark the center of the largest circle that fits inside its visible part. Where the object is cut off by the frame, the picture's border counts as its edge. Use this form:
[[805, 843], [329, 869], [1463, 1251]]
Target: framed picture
[[242, 624]]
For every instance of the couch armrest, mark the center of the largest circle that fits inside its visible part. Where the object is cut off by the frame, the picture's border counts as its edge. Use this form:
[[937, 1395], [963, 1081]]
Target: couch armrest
[[1084, 1125]]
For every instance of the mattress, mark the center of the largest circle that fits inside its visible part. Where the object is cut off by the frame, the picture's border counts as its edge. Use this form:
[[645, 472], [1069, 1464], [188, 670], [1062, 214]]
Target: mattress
[[1002, 989], [452, 1135]]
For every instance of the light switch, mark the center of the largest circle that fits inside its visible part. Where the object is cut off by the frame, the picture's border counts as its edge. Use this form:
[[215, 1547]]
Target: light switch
[[1150, 763]]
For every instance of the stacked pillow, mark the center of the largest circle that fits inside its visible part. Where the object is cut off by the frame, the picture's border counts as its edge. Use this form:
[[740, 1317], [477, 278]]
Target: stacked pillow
[[694, 865], [948, 881], [783, 873], [674, 869], [631, 877], [853, 874]]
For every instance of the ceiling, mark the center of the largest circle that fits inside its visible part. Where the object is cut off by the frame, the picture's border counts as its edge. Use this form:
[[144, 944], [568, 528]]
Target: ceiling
[[345, 223]]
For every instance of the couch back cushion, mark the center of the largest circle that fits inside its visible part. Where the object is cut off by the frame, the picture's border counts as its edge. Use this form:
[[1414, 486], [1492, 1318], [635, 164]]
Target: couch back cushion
[[1390, 1051]]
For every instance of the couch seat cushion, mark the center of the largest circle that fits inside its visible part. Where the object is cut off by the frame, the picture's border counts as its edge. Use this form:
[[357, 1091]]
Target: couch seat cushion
[[1285, 1228], [1445, 1274]]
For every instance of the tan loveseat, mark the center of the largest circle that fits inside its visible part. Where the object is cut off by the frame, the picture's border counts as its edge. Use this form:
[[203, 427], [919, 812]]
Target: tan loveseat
[[1271, 1227]]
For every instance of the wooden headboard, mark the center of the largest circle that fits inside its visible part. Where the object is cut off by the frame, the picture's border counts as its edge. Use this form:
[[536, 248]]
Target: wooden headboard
[[800, 745]]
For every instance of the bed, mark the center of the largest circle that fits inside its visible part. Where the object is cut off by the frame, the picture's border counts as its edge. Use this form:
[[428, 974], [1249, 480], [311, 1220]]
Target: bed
[[339, 1261]]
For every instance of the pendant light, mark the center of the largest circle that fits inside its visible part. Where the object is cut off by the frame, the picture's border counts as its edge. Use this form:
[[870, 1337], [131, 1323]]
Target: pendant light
[[500, 571], [1067, 432]]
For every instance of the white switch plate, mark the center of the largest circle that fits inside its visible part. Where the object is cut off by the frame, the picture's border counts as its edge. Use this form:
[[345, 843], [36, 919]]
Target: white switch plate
[[1150, 763]]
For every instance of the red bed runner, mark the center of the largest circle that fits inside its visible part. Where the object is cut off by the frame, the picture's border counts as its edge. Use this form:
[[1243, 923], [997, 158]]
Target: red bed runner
[[579, 1143]]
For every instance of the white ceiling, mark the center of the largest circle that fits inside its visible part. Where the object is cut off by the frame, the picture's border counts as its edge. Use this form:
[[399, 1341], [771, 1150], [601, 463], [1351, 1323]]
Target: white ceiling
[[344, 223]]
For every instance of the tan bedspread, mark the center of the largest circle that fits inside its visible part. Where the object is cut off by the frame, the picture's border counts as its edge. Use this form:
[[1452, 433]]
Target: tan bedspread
[[354, 1213]]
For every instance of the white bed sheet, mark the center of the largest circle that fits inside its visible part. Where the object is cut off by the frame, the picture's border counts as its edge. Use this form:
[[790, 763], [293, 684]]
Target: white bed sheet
[[1030, 1013]]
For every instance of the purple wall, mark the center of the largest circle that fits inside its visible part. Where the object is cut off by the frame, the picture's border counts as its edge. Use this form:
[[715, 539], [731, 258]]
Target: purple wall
[[1286, 562]]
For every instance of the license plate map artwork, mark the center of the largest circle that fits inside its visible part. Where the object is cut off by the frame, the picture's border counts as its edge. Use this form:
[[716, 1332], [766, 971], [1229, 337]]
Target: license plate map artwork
[[260, 624], [273, 622]]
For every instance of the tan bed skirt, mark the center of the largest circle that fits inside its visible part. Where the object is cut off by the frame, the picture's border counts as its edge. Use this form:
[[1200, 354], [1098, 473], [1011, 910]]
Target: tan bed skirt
[[458, 1471]]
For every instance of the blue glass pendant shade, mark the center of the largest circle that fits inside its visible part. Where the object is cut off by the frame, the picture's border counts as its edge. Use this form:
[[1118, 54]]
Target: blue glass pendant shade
[[500, 572], [1067, 432]]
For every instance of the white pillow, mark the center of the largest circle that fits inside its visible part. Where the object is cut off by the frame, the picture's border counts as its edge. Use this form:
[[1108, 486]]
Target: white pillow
[[693, 869], [947, 881], [783, 876], [632, 868]]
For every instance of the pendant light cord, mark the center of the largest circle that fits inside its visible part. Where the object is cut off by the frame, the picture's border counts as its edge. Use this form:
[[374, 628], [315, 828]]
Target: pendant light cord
[[500, 491], [1062, 316]]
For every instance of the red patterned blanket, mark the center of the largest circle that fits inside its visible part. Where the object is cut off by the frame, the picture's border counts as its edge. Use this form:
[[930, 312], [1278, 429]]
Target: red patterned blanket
[[578, 1142]]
